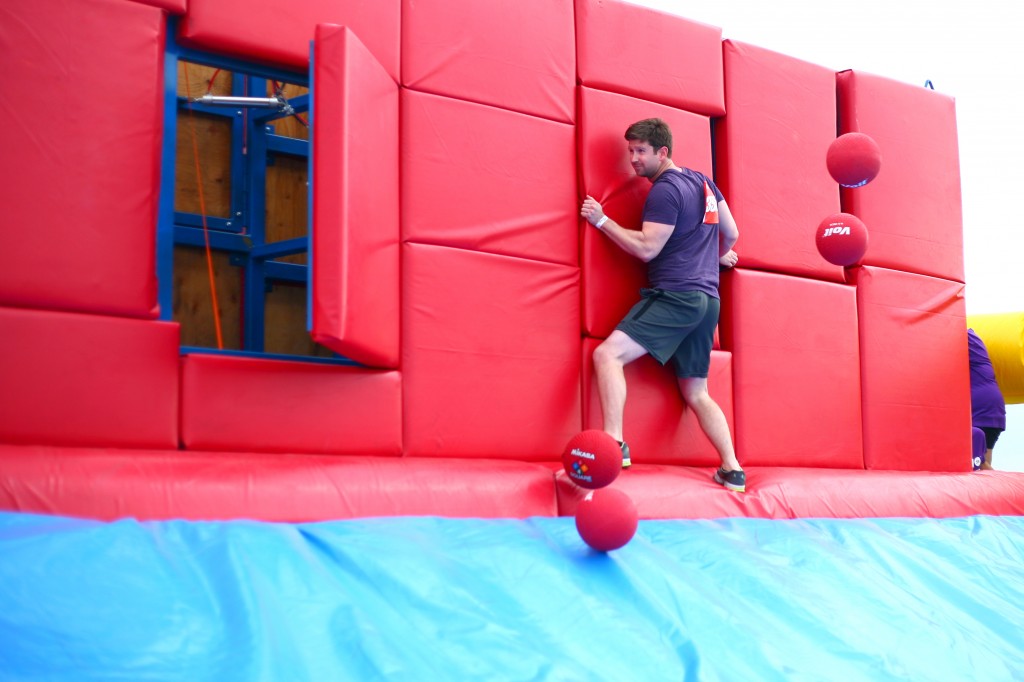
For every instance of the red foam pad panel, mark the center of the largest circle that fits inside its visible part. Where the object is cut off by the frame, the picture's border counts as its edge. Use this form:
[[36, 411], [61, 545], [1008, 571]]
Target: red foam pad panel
[[517, 56], [109, 484], [796, 370], [667, 59], [914, 371], [490, 354], [611, 278], [261, 405], [913, 208], [279, 32], [770, 154], [522, 202], [86, 380], [172, 6], [80, 208], [355, 202], [665, 492], [659, 428]]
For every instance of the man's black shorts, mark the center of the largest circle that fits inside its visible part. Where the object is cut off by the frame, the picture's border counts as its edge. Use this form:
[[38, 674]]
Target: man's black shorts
[[676, 325]]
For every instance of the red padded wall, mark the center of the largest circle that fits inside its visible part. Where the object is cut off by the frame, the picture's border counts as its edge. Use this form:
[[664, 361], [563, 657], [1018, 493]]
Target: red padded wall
[[659, 428], [915, 374], [110, 484], [81, 380], [279, 31], [261, 405], [80, 195], [490, 354], [913, 208], [514, 55], [520, 202], [796, 370], [652, 55], [611, 278], [770, 153], [355, 202]]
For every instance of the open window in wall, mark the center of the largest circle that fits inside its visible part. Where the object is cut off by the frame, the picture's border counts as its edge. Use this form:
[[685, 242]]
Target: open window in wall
[[253, 255], [234, 249]]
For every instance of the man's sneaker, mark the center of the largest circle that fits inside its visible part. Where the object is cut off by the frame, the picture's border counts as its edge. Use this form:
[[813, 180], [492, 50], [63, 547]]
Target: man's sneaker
[[626, 462], [732, 480]]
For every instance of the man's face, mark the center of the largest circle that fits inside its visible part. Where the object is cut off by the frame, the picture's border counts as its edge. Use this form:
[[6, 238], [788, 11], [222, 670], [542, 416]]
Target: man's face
[[646, 161]]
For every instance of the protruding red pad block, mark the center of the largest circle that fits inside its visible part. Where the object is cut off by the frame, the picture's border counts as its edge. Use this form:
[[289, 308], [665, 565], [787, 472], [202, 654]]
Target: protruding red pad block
[[355, 202], [490, 354], [86, 380], [279, 31], [665, 492], [80, 193], [659, 428], [770, 155], [520, 202], [109, 484], [612, 278], [913, 208], [796, 370], [656, 56], [514, 55], [261, 405], [914, 371]]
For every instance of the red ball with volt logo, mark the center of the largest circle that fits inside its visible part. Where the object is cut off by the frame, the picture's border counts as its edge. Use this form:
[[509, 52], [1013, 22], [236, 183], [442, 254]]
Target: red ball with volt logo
[[592, 459], [842, 239]]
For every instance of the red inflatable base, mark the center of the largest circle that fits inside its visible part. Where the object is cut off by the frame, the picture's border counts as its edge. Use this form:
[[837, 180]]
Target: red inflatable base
[[666, 492], [107, 484]]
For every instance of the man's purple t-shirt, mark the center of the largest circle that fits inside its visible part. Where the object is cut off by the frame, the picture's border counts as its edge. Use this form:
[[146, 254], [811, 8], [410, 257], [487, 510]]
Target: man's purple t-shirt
[[987, 405], [689, 260]]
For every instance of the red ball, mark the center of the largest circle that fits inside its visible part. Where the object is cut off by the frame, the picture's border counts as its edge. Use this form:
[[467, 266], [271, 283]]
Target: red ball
[[853, 159], [606, 519], [592, 459], [842, 239]]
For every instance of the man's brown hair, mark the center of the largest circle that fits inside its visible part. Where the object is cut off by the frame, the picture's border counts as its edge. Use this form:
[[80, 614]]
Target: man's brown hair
[[654, 131]]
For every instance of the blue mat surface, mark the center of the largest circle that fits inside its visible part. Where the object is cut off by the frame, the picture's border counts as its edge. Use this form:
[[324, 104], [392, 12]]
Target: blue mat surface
[[455, 599]]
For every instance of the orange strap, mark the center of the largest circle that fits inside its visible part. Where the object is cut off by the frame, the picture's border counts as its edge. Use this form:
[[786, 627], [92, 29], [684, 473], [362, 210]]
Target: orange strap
[[202, 212]]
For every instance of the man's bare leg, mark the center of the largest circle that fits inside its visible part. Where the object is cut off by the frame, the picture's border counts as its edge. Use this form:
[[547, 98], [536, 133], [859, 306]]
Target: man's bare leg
[[711, 418], [614, 353]]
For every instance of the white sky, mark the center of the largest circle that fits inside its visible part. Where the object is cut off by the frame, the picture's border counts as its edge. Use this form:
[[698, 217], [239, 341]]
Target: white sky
[[970, 51]]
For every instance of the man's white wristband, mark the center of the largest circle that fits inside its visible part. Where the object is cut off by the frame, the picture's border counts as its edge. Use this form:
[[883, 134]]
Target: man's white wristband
[[600, 223]]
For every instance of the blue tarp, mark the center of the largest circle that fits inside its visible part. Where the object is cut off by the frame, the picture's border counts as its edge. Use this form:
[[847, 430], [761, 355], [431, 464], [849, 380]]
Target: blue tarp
[[463, 599]]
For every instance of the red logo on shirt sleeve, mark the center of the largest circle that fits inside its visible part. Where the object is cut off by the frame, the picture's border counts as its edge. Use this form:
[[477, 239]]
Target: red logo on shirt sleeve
[[710, 206]]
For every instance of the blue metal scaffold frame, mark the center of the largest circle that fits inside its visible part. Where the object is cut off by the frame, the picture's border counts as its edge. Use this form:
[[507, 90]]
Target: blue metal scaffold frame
[[243, 233]]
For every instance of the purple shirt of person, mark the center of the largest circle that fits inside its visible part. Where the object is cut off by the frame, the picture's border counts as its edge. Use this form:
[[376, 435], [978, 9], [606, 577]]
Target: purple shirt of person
[[988, 409], [689, 259]]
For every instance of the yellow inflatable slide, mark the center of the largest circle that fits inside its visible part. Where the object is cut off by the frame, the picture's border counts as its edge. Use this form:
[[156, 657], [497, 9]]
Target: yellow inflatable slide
[[1003, 334]]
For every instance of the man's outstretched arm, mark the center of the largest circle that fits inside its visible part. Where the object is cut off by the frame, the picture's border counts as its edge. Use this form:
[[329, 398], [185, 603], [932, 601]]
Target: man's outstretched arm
[[645, 243]]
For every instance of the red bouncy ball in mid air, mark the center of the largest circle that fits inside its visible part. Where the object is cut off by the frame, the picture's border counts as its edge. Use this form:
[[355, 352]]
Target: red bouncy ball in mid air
[[842, 239], [853, 159], [606, 519], [592, 459]]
